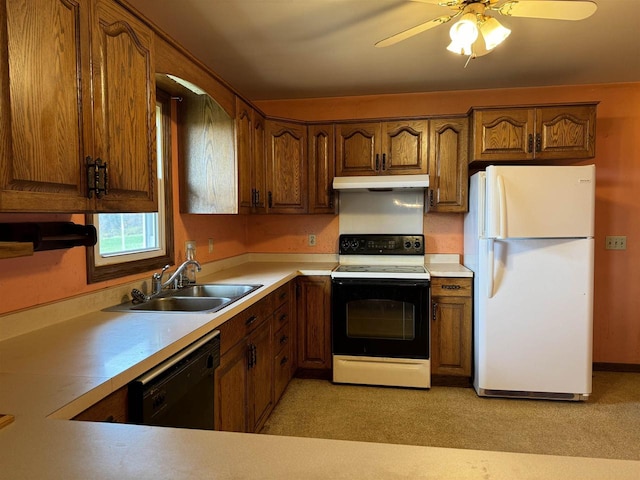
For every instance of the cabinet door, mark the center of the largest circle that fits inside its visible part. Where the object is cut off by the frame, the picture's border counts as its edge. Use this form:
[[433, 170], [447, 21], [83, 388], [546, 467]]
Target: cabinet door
[[314, 322], [404, 147], [321, 168], [259, 164], [260, 376], [286, 167], [244, 155], [231, 379], [45, 105], [566, 132], [124, 109], [448, 164], [451, 338], [358, 149], [503, 135]]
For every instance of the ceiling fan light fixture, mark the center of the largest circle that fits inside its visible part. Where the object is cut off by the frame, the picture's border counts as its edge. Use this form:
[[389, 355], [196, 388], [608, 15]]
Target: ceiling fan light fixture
[[465, 30], [460, 48], [493, 32]]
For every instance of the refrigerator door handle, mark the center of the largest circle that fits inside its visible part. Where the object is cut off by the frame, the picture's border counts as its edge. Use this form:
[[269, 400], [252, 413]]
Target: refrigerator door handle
[[490, 268], [502, 209]]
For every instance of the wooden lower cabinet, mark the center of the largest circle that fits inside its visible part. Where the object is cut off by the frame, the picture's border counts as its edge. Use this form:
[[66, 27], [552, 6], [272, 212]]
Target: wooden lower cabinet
[[451, 323], [256, 363], [313, 309], [231, 390], [244, 382], [260, 380], [113, 408]]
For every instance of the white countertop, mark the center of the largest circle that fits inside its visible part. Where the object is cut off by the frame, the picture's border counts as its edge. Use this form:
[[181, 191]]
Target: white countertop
[[51, 374]]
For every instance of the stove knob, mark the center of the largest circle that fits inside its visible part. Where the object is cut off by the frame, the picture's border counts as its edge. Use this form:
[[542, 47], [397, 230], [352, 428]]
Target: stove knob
[[344, 245], [407, 244], [417, 245], [354, 244]]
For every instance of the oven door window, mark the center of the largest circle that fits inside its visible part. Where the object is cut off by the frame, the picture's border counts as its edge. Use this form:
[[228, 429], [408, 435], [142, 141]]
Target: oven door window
[[381, 319]]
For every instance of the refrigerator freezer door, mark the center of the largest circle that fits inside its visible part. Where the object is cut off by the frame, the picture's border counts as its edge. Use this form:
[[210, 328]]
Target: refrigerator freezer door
[[540, 201], [534, 334]]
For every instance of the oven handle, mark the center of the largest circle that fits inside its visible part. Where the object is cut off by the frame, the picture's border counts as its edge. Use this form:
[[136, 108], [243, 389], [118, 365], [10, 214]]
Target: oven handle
[[380, 281]]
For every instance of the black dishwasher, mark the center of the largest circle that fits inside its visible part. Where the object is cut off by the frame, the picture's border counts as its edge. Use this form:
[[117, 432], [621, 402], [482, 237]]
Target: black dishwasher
[[180, 391]]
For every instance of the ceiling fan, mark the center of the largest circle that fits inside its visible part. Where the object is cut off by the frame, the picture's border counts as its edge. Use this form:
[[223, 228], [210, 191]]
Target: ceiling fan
[[476, 33]]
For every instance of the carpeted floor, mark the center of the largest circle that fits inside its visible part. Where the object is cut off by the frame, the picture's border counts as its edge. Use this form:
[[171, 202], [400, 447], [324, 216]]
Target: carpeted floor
[[607, 426]]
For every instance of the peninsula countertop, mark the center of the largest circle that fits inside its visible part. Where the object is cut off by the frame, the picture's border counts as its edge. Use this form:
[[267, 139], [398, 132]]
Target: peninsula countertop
[[50, 374]]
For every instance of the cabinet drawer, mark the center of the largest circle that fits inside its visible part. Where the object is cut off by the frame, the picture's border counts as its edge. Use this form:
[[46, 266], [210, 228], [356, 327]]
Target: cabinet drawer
[[238, 327], [281, 337], [281, 295], [282, 371], [281, 316], [451, 287]]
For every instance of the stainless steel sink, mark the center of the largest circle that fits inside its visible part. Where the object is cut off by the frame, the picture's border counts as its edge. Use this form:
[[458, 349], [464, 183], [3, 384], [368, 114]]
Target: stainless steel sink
[[195, 298], [182, 304], [216, 290]]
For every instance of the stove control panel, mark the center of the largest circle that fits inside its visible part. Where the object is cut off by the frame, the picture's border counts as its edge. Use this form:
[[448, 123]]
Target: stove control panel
[[372, 244]]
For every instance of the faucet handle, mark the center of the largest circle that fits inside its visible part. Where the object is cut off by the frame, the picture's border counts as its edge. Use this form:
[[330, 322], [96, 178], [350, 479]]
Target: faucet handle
[[158, 276]]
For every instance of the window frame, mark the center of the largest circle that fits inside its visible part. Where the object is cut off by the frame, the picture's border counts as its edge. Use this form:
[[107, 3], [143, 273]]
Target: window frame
[[110, 271]]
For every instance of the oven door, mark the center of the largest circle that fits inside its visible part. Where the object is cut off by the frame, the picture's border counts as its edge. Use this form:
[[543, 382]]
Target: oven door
[[380, 317]]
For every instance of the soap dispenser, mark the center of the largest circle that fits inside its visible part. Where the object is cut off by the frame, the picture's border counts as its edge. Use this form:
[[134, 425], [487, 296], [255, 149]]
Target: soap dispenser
[[191, 269]]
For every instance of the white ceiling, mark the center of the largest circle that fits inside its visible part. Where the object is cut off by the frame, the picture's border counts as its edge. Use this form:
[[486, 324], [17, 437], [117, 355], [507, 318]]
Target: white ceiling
[[274, 49]]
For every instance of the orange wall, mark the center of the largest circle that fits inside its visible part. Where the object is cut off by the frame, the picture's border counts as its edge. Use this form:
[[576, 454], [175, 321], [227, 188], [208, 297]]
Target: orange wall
[[617, 273], [51, 276]]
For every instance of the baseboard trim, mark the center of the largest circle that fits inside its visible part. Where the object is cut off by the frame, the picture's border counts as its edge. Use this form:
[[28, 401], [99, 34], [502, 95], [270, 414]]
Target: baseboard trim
[[315, 374], [616, 367], [450, 381]]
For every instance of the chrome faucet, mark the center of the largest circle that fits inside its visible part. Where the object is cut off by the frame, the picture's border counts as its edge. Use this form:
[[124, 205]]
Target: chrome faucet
[[175, 281]]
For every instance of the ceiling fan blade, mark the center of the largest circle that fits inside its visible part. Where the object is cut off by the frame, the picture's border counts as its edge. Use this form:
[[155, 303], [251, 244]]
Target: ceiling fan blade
[[398, 37], [549, 9], [446, 3]]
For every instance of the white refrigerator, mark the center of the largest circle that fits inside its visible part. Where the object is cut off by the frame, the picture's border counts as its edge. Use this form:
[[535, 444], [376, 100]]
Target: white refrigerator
[[528, 238]]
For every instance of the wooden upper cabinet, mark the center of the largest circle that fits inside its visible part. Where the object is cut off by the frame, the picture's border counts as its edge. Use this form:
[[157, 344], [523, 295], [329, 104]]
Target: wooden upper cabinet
[[448, 164], [208, 182], [382, 148], [286, 167], [557, 132], [321, 168], [259, 163], [124, 108], [49, 48], [566, 132], [45, 105], [251, 159], [358, 148], [244, 130], [404, 147]]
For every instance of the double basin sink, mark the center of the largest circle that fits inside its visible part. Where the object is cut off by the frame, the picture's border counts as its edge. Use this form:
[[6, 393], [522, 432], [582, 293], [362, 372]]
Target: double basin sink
[[194, 298]]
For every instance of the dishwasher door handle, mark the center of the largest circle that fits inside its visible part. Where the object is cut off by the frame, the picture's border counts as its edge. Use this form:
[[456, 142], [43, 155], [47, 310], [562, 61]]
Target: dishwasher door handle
[[167, 364]]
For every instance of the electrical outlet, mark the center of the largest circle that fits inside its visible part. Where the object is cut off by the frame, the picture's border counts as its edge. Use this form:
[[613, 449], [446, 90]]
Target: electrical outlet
[[616, 242], [312, 240], [211, 245]]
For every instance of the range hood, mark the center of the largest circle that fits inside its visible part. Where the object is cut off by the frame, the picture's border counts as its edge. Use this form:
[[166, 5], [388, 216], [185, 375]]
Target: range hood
[[382, 183]]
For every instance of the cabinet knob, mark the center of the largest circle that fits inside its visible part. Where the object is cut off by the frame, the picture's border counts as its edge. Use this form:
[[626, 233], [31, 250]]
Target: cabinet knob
[[451, 287]]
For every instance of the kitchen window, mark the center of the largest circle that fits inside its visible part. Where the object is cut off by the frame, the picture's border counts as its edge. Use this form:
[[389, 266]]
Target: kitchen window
[[129, 243]]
